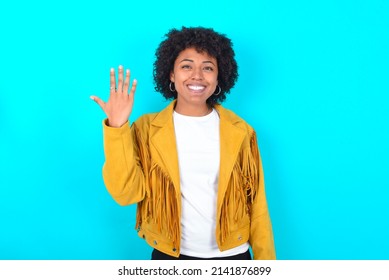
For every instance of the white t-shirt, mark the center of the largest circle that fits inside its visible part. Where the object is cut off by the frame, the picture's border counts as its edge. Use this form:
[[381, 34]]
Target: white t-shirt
[[198, 147]]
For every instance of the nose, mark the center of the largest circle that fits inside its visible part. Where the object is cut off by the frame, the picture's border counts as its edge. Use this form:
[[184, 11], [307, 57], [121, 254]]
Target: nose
[[197, 74]]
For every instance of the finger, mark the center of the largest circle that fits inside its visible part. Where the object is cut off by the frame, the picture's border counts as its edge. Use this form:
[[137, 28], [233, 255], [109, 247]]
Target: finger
[[133, 87], [120, 79], [112, 81], [126, 81], [100, 102]]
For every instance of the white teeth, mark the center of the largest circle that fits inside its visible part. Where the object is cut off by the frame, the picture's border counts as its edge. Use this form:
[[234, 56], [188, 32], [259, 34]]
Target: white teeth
[[196, 87]]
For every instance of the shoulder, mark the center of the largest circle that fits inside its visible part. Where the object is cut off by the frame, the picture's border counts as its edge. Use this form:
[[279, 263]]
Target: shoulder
[[145, 119], [227, 115], [143, 123], [157, 119]]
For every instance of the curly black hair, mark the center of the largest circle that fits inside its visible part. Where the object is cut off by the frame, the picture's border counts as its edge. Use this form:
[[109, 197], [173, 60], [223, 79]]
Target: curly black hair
[[203, 40]]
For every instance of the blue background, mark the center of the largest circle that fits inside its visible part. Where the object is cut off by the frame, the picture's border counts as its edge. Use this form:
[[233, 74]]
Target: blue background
[[313, 83]]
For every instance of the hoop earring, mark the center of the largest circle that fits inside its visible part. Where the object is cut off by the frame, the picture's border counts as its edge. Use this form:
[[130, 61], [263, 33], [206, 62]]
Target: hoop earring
[[170, 87], [220, 89]]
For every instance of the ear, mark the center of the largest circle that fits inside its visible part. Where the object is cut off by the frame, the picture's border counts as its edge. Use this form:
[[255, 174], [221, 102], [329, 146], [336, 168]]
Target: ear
[[172, 76]]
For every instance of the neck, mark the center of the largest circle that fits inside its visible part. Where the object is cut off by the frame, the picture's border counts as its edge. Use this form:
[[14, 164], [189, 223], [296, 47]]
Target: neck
[[194, 111]]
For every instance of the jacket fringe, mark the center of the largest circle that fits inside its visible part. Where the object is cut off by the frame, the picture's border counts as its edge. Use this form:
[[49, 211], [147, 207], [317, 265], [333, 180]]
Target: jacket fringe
[[142, 151], [242, 187], [162, 206]]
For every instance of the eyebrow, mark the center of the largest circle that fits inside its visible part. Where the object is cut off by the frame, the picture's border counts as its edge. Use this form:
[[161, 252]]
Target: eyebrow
[[190, 60]]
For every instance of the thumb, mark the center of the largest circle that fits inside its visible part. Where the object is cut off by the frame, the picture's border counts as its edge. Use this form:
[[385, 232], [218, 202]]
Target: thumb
[[100, 102]]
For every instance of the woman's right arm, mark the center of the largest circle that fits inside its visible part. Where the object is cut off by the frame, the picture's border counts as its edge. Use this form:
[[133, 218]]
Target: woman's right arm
[[122, 173]]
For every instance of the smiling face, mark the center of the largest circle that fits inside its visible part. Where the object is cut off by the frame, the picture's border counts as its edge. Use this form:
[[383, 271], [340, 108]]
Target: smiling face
[[195, 79]]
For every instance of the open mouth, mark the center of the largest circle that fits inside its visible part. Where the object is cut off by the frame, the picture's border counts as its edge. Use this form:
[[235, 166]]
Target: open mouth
[[196, 87]]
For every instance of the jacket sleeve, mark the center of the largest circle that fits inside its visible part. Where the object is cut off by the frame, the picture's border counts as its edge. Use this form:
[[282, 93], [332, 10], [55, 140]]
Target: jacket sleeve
[[122, 172], [261, 234]]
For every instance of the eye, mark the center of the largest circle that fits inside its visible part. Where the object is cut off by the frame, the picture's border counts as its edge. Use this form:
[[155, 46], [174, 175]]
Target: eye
[[208, 68], [185, 66]]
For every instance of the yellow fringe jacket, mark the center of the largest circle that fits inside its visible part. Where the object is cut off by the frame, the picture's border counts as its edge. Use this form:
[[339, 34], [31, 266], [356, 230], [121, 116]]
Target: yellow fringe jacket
[[141, 167]]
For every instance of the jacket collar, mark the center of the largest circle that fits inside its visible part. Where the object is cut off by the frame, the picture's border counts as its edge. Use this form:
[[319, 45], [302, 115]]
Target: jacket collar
[[231, 138]]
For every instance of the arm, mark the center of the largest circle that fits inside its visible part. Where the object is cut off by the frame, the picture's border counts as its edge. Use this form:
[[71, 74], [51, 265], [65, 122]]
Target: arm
[[122, 172]]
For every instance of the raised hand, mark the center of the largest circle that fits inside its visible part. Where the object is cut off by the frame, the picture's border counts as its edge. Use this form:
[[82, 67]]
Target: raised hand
[[119, 106]]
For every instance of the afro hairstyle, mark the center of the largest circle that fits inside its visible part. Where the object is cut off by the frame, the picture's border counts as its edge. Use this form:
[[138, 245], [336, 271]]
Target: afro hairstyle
[[203, 40]]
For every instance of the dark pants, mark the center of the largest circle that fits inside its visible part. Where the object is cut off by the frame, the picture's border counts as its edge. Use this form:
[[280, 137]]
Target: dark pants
[[157, 255]]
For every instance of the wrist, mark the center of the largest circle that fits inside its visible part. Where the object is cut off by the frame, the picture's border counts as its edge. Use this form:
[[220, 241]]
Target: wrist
[[115, 124]]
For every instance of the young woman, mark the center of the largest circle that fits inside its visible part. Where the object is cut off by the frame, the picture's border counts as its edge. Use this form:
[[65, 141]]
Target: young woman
[[194, 168]]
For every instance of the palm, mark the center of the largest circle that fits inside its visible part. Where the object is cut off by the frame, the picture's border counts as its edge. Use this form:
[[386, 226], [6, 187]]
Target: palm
[[118, 108]]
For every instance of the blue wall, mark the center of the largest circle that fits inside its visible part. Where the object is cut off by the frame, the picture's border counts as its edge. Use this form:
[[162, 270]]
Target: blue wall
[[313, 83]]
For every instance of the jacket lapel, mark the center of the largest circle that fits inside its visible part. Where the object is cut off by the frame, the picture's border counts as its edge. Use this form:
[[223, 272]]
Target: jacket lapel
[[164, 141], [231, 138]]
